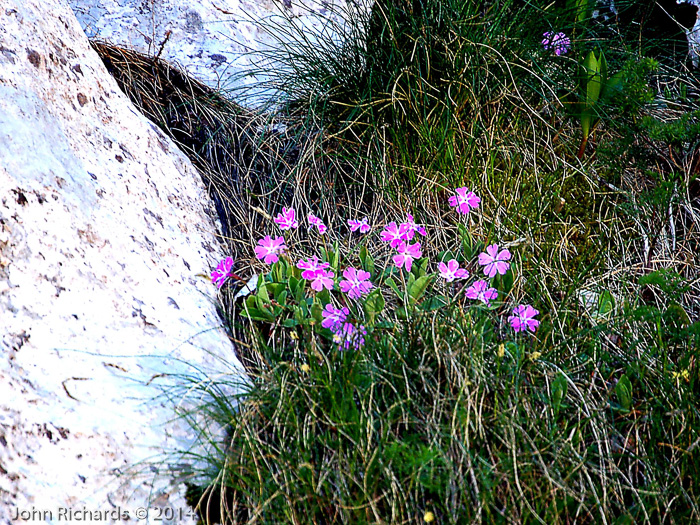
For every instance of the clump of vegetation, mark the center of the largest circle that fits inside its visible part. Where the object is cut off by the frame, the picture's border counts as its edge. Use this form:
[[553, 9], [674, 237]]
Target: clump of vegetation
[[433, 406]]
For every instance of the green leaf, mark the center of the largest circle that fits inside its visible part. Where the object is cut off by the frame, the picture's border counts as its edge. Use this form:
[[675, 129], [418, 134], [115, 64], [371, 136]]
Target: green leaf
[[586, 122], [559, 387], [290, 323], [335, 257], [324, 297], [392, 284], [260, 302], [421, 268], [279, 271], [623, 389], [504, 283], [591, 79], [614, 86], [250, 302], [276, 289], [374, 304], [411, 279], [606, 304], [293, 284], [299, 293], [583, 9], [317, 312], [433, 303], [366, 260], [463, 232], [470, 246], [299, 314], [296, 288], [417, 288], [263, 294], [603, 70], [256, 315], [255, 309]]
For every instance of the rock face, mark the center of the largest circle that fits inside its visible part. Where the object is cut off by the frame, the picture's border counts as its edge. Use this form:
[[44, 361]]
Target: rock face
[[105, 230], [210, 40], [693, 34]]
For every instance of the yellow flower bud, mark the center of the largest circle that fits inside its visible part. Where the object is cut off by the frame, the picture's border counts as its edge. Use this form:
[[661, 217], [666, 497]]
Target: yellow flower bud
[[429, 517], [305, 368], [501, 350]]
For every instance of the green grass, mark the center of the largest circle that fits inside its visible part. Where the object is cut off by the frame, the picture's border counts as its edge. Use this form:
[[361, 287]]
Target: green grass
[[592, 419]]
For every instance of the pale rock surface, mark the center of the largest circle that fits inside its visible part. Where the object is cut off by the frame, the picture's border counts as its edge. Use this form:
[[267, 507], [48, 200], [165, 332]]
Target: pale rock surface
[[210, 39], [105, 228], [693, 34]]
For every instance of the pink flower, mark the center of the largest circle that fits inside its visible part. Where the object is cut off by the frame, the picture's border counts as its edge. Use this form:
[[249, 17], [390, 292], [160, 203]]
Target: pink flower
[[322, 279], [411, 228], [311, 267], [464, 200], [333, 318], [362, 225], [558, 42], [269, 249], [394, 234], [223, 270], [348, 335], [407, 252], [315, 221], [480, 290], [452, 271], [494, 261], [287, 219], [523, 318], [356, 283]]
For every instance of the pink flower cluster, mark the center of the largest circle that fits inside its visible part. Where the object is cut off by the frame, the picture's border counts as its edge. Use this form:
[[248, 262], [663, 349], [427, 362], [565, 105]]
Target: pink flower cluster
[[350, 336], [345, 334], [269, 249], [523, 318], [494, 261], [222, 272], [480, 290], [315, 271], [287, 219], [356, 282], [464, 201], [333, 318], [558, 42], [315, 221], [452, 271], [394, 234], [363, 225], [398, 236]]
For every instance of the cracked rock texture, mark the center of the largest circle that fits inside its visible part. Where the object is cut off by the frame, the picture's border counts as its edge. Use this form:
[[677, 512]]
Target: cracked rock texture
[[211, 39], [105, 232]]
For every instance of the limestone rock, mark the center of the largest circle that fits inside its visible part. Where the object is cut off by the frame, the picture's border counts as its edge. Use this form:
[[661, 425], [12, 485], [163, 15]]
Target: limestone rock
[[210, 40], [105, 232]]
